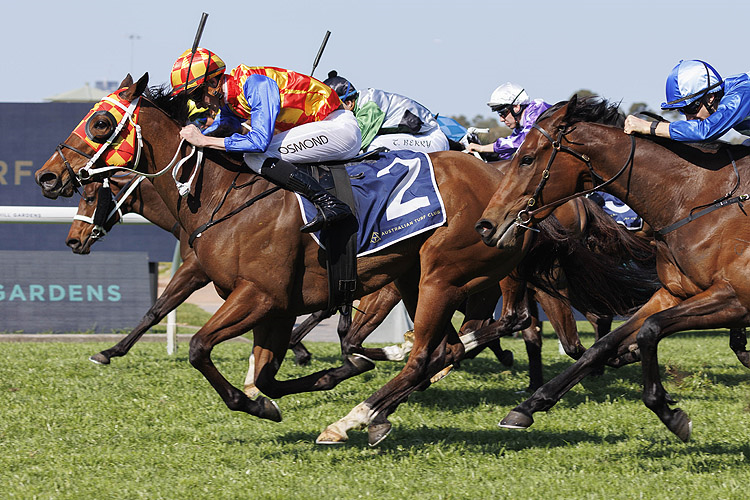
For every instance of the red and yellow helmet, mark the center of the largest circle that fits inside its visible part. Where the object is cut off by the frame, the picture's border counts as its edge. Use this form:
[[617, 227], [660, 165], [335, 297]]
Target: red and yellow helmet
[[202, 66]]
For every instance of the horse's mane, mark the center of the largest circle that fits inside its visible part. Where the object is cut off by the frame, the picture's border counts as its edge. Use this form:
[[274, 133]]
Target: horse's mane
[[607, 270], [593, 109], [176, 107]]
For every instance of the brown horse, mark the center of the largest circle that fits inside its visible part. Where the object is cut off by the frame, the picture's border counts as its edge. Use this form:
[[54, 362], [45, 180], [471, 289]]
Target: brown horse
[[269, 273], [100, 209], [701, 265]]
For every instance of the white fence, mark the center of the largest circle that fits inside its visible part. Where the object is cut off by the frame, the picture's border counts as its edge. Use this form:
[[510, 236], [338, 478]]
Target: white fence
[[64, 215]]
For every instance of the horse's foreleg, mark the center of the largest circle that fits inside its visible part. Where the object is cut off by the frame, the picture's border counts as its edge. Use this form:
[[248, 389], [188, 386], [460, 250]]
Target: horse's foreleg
[[375, 308], [550, 393], [241, 311], [562, 321], [712, 308], [427, 358], [188, 278], [738, 342]]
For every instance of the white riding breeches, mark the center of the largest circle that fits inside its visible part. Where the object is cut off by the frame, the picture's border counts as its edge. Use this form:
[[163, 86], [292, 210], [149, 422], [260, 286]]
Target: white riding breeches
[[337, 137], [429, 142]]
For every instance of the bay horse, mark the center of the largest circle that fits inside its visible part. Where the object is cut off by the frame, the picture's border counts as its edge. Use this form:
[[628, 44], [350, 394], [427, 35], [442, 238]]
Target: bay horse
[[702, 264], [125, 193], [269, 273], [100, 209]]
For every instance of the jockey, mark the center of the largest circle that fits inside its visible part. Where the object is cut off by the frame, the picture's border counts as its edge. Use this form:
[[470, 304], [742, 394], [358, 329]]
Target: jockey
[[711, 105], [518, 112], [389, 120], [293, 118]]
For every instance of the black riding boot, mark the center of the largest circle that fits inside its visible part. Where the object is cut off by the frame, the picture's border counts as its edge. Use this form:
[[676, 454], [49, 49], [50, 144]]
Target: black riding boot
[[286, 175]]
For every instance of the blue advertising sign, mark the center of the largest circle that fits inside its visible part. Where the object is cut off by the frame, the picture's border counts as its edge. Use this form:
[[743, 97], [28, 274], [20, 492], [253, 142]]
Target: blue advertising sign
[[29, 134], [59, 292]]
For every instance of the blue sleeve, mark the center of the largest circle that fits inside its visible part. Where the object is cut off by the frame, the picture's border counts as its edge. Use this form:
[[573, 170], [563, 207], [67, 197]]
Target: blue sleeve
[[264, 99], [733, 108], [224, 117]]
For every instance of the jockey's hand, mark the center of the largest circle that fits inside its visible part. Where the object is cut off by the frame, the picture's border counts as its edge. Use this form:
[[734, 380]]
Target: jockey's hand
[[635, 125], [193, 135], [475, 148]]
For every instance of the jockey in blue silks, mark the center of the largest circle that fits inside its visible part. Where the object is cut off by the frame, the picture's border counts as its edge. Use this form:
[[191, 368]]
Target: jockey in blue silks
[[711, 106]]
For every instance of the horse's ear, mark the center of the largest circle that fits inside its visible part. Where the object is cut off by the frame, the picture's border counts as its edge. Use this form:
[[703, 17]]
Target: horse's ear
[[127, 82], [137, 89], [570, 108]]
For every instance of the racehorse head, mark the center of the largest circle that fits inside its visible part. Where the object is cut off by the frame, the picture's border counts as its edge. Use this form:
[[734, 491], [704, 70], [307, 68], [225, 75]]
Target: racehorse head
[[106, 137], [94, 218], [550, 165]]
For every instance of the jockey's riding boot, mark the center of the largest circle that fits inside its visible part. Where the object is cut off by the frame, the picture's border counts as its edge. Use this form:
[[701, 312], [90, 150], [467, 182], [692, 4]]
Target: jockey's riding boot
[[286, 175]]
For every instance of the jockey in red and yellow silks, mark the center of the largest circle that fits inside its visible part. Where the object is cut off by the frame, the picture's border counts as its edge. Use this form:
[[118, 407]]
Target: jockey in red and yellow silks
[[292, 118]]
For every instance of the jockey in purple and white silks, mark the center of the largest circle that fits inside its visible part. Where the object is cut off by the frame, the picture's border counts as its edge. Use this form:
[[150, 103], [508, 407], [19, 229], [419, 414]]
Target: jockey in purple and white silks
[[518, 112], [711, 106]]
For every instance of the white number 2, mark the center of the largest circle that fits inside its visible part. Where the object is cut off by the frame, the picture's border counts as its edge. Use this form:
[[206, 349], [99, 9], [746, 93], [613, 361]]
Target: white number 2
[[396, 208]]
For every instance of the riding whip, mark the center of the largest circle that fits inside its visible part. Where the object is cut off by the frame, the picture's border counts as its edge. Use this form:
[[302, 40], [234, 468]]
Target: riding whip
[[198, 35], [320, 52]]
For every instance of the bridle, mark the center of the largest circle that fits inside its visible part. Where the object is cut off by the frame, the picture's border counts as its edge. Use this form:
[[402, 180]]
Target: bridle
[[525, 216], [108, 206]]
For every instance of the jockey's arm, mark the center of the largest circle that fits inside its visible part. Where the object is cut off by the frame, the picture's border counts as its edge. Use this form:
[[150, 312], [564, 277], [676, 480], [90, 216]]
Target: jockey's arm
[[635, 125]]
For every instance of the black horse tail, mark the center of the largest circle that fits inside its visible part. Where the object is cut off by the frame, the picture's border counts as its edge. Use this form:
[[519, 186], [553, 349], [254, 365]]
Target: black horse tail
[[607, 271]]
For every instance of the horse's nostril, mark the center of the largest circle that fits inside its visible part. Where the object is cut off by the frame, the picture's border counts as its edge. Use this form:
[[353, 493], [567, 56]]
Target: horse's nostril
[[47, 179], [73, 243], [485, 228]]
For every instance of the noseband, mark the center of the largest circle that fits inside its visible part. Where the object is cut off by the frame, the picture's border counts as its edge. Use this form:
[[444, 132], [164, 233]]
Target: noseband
[[527, 214]]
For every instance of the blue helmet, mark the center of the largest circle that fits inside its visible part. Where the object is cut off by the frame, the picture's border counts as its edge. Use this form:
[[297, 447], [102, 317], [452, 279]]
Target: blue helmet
[[689, 81]]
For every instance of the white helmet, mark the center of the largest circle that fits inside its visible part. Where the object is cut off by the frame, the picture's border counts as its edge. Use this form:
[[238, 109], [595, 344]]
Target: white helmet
[[508, 94]]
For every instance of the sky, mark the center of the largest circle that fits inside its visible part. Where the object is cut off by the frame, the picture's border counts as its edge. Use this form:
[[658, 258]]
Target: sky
[[448, 55]]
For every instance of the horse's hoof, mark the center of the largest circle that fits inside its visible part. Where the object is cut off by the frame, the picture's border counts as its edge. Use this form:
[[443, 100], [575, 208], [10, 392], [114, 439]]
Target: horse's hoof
[[378, 432], [744, 358], [681, 425], [331, 436], [360, 363], [506, 359], [99, 359], [409, 336], [441, 374], [303, 360], [516, 420], [251, 391], [269, 410]]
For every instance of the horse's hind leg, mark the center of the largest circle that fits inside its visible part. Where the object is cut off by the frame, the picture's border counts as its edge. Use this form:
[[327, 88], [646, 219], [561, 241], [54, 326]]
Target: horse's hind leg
[[710, 309], [738, 342], [187, 279]]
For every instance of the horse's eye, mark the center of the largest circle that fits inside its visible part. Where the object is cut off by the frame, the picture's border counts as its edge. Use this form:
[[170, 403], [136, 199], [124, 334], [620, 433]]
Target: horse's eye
[[527, 160], [90, 199], [100, 125]]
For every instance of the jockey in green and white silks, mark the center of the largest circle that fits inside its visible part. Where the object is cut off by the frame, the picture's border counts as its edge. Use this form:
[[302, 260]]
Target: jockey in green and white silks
[[390, 120]]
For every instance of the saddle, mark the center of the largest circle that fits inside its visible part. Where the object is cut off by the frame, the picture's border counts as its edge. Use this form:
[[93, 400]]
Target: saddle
[[340, 240]]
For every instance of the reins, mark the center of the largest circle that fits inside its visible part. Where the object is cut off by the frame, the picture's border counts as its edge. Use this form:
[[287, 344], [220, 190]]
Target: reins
[[525, 216], [211, 222]]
